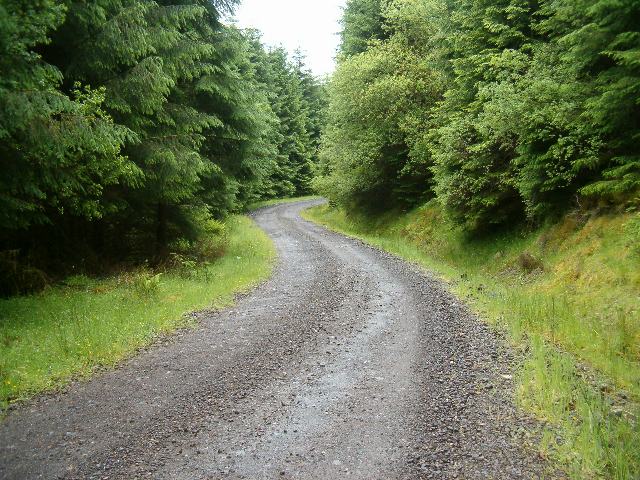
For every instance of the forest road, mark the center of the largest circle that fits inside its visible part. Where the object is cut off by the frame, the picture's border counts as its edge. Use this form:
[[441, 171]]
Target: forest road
[[347, 363]]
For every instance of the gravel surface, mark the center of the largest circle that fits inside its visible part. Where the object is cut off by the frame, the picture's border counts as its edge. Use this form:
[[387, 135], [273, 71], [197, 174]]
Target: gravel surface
[[348, 363]]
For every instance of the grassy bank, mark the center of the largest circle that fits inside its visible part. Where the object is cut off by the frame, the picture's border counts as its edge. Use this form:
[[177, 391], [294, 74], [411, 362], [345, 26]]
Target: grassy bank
[[68, 331], [569, 296]]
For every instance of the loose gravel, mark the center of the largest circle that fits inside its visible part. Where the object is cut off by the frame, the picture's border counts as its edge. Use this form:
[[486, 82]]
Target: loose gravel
[[348, 362]]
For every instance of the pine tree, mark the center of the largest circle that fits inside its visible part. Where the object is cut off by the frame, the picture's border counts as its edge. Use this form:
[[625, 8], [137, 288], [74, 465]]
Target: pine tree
[[242, 148], [147, 56], [314, 106], [128, 124], [314, 99], [605, 50], [293, 168], [374, 151]]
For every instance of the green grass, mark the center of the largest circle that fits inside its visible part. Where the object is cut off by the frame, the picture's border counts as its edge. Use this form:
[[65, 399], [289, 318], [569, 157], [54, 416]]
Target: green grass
[[568, 295], [66, 332], [278, 201]]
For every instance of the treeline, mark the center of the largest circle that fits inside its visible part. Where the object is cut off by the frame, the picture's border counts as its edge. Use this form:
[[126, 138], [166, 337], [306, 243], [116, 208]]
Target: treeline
[[506, 111], [129, 125]]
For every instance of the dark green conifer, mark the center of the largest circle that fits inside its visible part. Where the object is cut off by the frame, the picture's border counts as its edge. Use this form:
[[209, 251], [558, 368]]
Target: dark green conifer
[[60, 150]]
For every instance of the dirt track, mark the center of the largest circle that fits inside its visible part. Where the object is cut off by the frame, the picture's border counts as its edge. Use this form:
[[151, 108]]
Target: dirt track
[[347, 363]]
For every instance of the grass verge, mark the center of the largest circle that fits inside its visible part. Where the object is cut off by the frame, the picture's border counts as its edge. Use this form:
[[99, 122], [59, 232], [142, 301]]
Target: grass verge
[[568, 295], [68, 331]]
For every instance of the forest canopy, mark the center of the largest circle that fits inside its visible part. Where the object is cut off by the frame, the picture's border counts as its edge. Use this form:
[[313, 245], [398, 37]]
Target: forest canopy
[[129, 125], [504, 111], [129, 128]]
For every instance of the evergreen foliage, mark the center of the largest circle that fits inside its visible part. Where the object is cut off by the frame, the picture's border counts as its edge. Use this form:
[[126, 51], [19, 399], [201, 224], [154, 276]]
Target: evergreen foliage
[[474, 171], [241, 149], [362, 22], [293, 171], [374, 151], [129, 125], [59, 149], [504, 110], [605, 49]]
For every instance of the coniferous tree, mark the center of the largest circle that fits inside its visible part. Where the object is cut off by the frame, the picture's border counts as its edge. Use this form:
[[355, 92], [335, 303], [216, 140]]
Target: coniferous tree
[[540, 108], [605, 49], [520, 109], [59, 150], [314, 99], [242, 148], [374, 150], [362, 22], [147, 56], [293, 169], [474, 170], [128, 124]]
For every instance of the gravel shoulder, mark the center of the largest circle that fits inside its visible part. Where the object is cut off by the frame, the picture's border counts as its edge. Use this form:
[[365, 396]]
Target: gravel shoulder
[[347, 362]]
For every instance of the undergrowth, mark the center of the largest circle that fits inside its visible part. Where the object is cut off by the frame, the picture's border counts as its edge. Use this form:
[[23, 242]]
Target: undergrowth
[[569, 295], [65, 332]]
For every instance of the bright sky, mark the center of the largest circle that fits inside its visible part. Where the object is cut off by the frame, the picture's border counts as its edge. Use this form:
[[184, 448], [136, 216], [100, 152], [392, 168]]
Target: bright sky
[[310, 25]]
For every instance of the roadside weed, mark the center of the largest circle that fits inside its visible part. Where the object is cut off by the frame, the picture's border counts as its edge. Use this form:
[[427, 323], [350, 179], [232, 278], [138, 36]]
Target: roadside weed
[[146, 285]]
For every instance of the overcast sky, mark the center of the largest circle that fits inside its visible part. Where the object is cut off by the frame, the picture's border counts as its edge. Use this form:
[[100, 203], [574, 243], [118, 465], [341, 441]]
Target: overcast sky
[[311, 25]]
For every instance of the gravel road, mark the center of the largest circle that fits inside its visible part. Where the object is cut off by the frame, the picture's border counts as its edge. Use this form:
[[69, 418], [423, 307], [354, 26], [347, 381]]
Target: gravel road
[[348, 362]]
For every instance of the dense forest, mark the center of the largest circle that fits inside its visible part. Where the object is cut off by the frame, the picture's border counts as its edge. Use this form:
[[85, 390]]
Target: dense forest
[[504, 111], [130, 128]]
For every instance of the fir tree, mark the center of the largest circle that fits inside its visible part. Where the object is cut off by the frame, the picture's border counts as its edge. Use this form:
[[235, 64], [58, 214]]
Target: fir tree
[[606, 52], [147, 56], [362, 22], [474, 170], [242, 148], [374, 151], [314, 99], [293, 168], [59, 150]]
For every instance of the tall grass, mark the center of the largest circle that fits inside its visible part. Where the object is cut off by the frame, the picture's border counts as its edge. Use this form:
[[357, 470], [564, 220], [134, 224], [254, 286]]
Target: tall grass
[[569, 294], [67, 331], [593, 438]]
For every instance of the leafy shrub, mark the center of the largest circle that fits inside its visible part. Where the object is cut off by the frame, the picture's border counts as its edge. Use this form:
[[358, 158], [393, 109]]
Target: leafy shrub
[[181, 246], [146, 284], [211, 242], [214, 227], [184, 265]]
